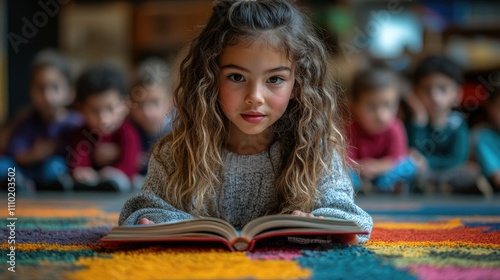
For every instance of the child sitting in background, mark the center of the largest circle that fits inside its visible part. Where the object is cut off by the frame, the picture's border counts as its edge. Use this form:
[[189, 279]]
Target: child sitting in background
[[105, 151], [377, 137], [150, 105], [37, 143], [488, 142], [437, 132]]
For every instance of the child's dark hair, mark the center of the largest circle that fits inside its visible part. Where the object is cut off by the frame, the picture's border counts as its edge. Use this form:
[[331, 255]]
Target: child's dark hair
[[99, 79], [151, 72], [50, 58], [435, 64], [375, 77]]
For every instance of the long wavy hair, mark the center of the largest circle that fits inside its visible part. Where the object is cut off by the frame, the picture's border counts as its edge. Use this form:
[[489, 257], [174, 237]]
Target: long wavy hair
[[309, 131]]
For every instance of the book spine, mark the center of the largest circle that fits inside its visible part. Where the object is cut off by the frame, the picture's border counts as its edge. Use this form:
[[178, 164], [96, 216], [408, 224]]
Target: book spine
[[240, 244]]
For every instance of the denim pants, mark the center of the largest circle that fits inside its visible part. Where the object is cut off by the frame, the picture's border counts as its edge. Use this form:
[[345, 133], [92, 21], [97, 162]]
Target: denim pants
[[403, 171]]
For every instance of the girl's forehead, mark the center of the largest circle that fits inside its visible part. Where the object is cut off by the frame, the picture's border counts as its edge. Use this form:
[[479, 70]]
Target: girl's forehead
[[257, 52], [256, 56]]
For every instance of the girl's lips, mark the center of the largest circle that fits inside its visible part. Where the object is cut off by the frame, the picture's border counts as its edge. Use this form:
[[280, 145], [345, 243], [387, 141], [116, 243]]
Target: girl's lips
[[253, 118]]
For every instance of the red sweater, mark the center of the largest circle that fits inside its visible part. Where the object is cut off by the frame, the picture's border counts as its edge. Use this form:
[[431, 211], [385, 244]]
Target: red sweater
[[84, 140], [392, 142]]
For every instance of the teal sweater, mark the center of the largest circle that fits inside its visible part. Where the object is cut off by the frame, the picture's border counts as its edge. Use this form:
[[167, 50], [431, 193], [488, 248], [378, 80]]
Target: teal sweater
[[488, 151], [444, 147]]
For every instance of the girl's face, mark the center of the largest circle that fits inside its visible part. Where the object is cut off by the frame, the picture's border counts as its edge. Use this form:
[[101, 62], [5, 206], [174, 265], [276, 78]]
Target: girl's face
[[255, 86], [50, 90]]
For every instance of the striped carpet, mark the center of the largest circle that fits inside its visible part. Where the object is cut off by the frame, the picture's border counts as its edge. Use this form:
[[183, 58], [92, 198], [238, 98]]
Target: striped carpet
[[57, 239]]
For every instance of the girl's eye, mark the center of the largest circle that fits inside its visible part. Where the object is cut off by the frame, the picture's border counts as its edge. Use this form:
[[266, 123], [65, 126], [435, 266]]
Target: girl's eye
[[275, 80], [236, 77]]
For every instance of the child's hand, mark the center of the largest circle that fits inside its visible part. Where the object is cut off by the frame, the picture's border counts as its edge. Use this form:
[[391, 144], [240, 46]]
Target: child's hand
[[369, 169], [419, 159], [351, 239], [144, 221], [304, 214], [43, 148], [85, 175], [106, 154], [418, 110]]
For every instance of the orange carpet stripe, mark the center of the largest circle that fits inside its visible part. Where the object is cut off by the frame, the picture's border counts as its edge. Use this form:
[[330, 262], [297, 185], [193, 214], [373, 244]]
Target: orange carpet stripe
[[474, 235], [453, 223], [415, 244], [28, 247], [63, 213]]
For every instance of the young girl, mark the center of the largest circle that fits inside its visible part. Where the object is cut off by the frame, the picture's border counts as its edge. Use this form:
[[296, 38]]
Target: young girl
[[256, 128]]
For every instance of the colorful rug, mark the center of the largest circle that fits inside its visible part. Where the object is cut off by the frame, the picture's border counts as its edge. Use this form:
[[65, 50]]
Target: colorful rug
[[60, 242]]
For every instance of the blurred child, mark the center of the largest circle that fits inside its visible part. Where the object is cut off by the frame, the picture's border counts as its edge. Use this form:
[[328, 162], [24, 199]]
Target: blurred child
[[150, 105], [37, 143], [437, 132], [488, 142], [105, 151], [377, 138]]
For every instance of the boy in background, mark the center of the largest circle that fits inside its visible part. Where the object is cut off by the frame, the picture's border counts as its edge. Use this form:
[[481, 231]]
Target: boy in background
[[487, 146], [377, 139], [38, 140], [104, 152], [437, 132], [150, 105]]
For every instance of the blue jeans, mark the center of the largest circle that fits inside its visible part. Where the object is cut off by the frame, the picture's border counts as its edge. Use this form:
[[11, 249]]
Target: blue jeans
[[48, 171], [403, 171]]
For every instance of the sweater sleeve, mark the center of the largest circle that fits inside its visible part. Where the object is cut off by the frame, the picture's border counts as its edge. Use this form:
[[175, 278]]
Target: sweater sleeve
[[336, 199], [149, 203], [130, 149]]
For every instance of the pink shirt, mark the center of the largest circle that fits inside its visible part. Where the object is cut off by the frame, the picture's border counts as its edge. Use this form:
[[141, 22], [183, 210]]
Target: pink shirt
[[392, 142]]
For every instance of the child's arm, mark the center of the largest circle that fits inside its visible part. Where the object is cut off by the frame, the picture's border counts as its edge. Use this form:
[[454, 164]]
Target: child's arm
[[372, 168], [149, 203], [417, 109], [336, 199], [39, 151]]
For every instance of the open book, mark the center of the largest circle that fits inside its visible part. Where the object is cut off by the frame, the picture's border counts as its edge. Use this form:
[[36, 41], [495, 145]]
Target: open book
[[212, 229]]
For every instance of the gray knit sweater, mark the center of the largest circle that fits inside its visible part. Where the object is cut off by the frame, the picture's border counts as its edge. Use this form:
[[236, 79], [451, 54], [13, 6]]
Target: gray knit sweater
[[247, 193]]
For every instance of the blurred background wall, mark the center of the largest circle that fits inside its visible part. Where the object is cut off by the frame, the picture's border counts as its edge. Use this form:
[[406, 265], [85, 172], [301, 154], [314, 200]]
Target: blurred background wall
[[125, 32]]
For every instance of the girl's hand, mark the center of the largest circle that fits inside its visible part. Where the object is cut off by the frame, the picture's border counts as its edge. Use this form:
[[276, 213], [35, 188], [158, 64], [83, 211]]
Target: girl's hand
[[144, 221], [304, 214], [351, 239]]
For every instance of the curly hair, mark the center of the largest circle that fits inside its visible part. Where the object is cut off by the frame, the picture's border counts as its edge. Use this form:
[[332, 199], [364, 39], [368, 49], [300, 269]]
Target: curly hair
[[309, 131]]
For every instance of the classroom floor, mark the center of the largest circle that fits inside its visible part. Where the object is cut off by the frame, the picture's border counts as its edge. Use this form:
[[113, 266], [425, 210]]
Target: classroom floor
[[377, 204]]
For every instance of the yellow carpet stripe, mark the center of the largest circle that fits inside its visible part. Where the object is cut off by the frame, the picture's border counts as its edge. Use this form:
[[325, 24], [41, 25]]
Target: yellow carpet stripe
[[179, 265]]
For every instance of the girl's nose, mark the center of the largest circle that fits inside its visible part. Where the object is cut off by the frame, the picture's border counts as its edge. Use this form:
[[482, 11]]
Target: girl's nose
[[255, 95]]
